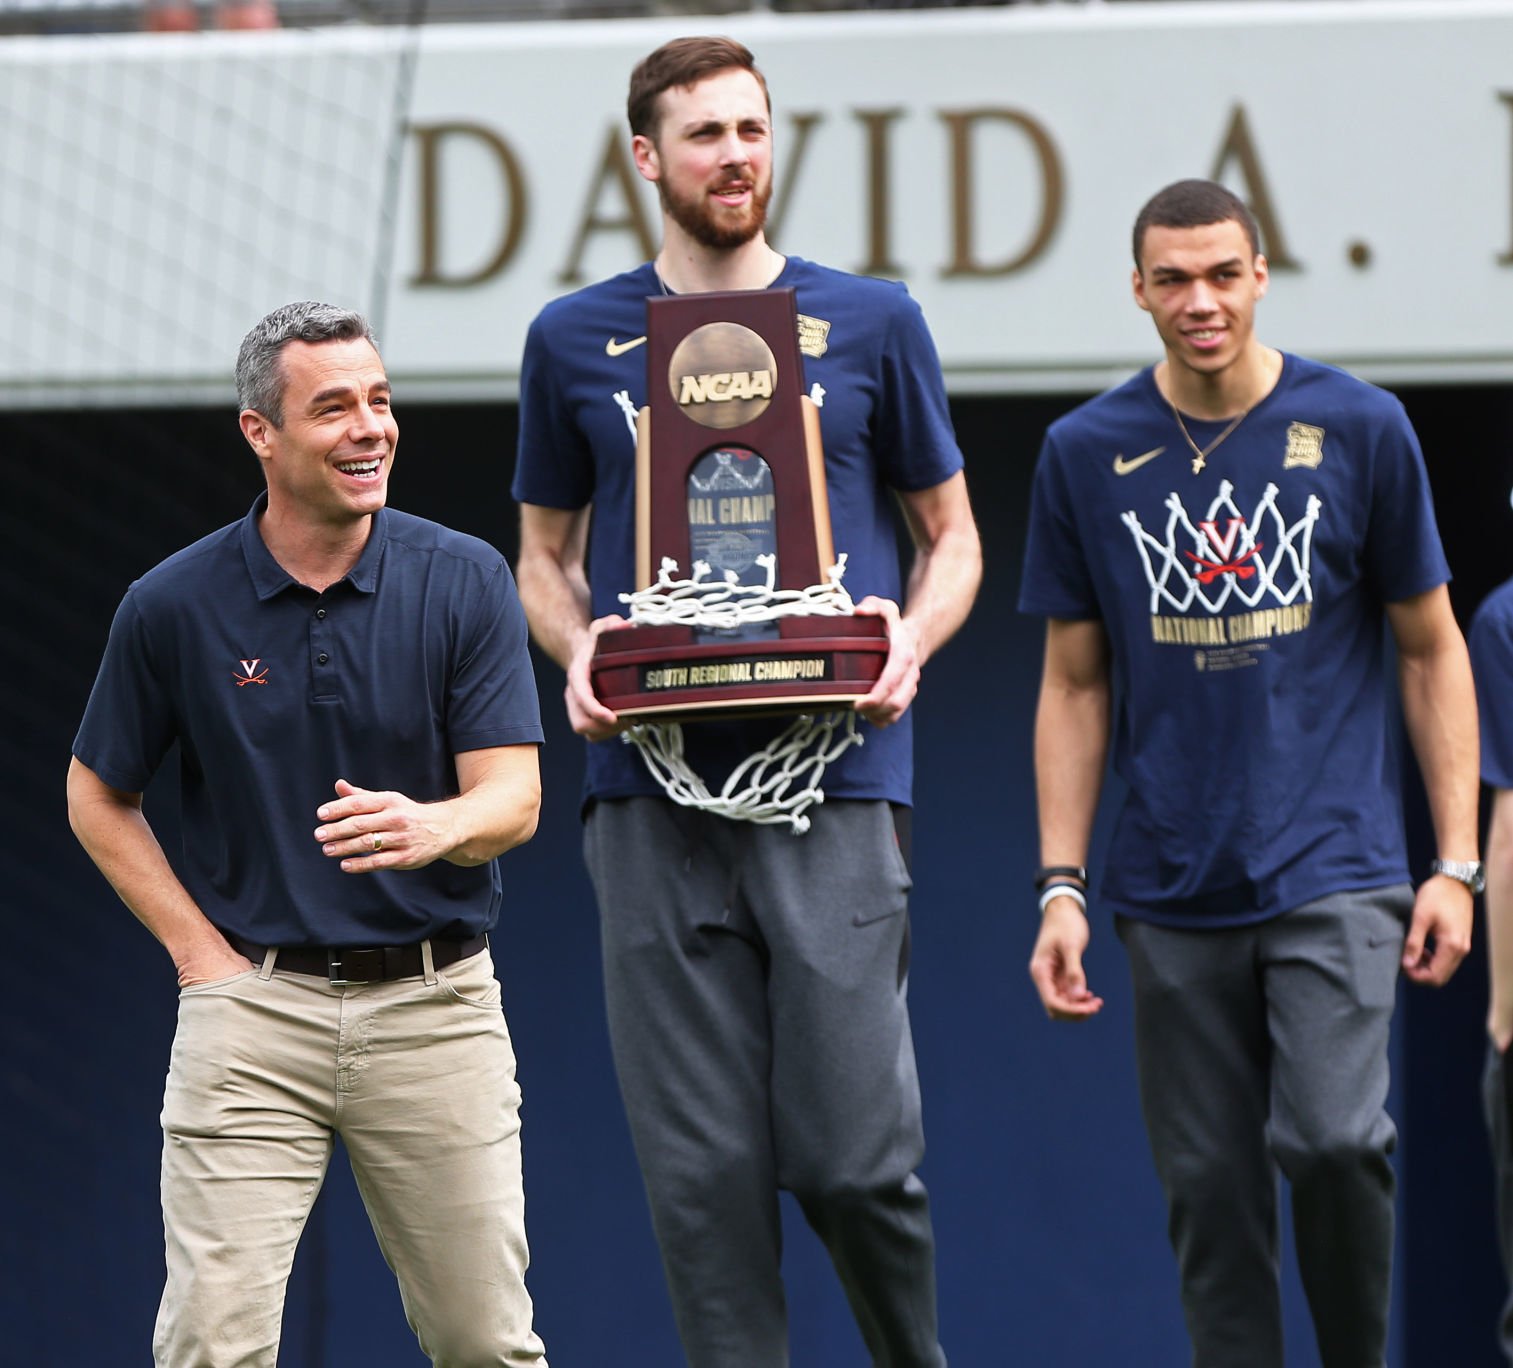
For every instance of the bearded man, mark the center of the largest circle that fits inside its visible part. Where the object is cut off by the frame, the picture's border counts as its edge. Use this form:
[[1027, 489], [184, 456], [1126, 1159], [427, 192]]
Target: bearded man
[[755, 980]]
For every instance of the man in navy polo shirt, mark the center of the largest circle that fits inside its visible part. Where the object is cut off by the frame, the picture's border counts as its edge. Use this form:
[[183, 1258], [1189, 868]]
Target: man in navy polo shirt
[[357, 721], [1221, 545]]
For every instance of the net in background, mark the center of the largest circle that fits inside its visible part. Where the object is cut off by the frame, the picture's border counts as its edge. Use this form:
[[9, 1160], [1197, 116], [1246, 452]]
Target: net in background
[[161, 193]]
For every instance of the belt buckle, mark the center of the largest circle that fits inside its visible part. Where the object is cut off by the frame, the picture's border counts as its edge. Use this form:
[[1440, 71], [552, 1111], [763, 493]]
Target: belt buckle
[[340, 963]]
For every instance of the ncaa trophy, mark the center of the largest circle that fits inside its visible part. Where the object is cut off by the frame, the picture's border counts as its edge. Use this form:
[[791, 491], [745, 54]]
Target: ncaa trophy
[[738, 608]]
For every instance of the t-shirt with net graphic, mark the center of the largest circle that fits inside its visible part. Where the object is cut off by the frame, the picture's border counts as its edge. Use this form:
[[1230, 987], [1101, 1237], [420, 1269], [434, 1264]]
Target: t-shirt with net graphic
[[1244, 606], [1491, 642], [869, 364]]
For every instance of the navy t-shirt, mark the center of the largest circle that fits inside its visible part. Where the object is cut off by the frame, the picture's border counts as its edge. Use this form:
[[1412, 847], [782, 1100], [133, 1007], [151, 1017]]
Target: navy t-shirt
[[871, 367], [273, 692], [1491, 643], [1244, 606]]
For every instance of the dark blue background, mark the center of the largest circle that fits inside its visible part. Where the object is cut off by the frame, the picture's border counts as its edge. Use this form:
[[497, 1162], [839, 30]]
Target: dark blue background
[[1050, 1224]]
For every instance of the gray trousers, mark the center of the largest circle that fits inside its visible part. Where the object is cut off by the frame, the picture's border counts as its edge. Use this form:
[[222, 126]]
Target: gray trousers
[[1265, 1047], [755, 982], [1497, 1100]]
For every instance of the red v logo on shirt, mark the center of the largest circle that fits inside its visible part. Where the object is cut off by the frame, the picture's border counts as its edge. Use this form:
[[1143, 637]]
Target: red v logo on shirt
[[250, 673], [1225, 545]]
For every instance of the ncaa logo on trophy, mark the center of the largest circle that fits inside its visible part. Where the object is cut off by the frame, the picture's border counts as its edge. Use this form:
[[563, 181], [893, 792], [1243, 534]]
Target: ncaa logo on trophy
[[738, 607]]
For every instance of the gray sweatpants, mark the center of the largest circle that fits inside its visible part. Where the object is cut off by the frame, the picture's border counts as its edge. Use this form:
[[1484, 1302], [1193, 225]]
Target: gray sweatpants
[[1265, 1047], [755, 982]]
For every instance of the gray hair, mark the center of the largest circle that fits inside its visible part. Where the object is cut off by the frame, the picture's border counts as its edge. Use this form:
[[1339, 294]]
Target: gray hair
[[259, 371]]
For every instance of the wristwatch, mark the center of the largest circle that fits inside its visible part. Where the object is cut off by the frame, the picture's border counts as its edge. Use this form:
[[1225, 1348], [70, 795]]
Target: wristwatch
[[1472, 873]]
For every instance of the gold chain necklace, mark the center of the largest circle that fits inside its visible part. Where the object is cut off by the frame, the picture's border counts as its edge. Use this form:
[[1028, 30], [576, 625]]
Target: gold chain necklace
[[1201, 454]]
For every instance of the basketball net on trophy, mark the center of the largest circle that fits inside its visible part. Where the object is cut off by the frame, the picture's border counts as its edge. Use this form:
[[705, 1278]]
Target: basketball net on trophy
[[739, 608]]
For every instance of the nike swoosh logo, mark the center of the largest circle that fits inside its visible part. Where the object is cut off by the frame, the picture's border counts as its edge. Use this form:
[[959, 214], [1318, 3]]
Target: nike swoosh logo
[[613, 348], [1123, 467]]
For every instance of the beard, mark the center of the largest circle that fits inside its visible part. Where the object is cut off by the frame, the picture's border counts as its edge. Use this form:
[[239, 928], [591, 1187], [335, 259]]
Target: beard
[[709, 224]]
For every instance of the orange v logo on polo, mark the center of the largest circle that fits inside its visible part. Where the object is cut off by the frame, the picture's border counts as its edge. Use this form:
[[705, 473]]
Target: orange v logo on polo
[[250, 673]]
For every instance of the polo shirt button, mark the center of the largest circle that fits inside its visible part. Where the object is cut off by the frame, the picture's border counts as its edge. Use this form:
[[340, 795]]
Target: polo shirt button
[[322, 658], [320, 612]]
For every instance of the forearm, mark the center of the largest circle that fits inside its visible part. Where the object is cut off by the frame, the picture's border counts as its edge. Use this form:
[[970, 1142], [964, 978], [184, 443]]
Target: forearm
[[1071, 741], [943, 583], [487, 822], [1499, 904], [497, 807], [1071, 745], [114, 832], [556, 601], [1439, 708]]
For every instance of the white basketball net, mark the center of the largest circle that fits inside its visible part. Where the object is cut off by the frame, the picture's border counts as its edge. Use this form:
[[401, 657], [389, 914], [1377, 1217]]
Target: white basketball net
[[782, 780], [1227, 556]]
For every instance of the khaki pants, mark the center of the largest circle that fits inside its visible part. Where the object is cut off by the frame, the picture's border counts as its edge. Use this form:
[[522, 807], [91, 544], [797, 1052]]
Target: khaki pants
[[418, 1078]]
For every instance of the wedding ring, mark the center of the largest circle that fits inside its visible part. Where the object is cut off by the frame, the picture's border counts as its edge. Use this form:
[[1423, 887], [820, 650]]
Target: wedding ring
[[377, 840]]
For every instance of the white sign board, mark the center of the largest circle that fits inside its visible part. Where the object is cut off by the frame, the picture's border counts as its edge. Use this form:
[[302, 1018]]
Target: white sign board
[[158, 193]]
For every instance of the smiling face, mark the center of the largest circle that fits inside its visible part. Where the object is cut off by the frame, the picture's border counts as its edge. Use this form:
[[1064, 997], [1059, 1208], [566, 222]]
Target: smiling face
[[328, 463], [711, 158], [1200, 286]]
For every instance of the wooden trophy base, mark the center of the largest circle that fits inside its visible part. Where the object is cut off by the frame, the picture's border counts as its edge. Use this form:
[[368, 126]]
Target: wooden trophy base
[[791, 665]]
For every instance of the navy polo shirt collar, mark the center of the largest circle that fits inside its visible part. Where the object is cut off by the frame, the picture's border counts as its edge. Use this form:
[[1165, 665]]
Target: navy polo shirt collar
[[270, 578]]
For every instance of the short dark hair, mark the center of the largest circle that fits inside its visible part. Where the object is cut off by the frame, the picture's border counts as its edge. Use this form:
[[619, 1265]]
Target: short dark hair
[[682, 62], [259, 370], [1194, 204]]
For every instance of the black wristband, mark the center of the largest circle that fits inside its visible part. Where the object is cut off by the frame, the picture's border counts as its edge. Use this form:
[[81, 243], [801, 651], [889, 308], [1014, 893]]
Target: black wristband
[[1044, 875]]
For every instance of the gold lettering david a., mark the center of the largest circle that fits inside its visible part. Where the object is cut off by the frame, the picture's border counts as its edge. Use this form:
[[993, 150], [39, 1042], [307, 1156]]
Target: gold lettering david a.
[[1239, 147], [430, 139], [962, 128], [616, 171], [1506, 259]]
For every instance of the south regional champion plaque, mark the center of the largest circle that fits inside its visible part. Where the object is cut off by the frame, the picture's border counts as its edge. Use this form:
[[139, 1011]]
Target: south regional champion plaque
[[733, 539]]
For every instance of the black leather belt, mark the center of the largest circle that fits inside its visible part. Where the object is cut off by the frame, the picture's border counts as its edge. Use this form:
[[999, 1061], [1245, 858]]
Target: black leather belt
[[341, 964]]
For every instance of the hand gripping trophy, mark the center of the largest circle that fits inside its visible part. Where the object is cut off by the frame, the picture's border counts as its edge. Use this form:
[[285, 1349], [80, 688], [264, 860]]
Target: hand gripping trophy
[[730, 495]]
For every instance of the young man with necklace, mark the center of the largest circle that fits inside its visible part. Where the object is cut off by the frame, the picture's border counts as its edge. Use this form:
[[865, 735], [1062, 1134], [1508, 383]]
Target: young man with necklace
[[1220, 545], [755, 980]]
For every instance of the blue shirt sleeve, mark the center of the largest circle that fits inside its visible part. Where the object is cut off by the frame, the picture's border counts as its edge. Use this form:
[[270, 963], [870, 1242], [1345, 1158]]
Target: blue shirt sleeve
[[914, 442], [129, 722], [1491, 643], [1057, 581], [492, 701], [554, 466], [1403, 552]]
